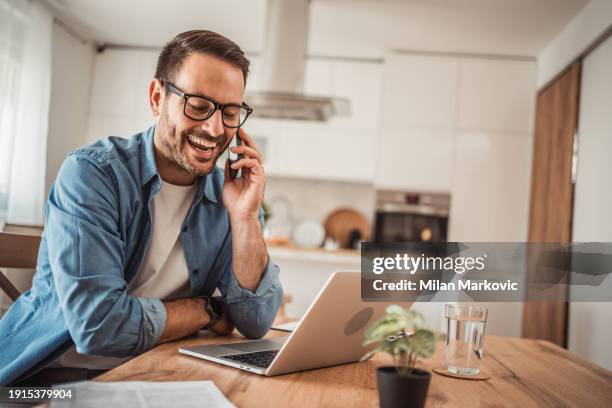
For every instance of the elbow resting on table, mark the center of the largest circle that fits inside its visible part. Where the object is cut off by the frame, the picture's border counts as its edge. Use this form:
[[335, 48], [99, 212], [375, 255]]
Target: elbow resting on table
[[121, 326], [94, 344], [254, 321], [109, 338], [254, 332]]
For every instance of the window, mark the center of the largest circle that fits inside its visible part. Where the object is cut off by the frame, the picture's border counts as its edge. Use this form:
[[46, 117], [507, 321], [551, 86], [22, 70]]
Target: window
[[13, 24]]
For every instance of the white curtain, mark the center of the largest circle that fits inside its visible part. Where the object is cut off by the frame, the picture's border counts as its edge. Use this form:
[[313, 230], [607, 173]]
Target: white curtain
[[25, 70], [13, 21], [25, 84]]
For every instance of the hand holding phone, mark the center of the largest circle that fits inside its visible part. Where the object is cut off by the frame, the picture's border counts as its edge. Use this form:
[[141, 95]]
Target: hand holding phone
[[233, 157], [243, 190]]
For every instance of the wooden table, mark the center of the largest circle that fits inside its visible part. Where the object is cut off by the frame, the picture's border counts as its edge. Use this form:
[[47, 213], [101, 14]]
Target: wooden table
[[523, 373]]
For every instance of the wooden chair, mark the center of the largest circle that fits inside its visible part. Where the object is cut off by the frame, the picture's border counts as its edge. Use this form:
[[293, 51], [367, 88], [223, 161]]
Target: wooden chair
[[30, 229], [16, 251]]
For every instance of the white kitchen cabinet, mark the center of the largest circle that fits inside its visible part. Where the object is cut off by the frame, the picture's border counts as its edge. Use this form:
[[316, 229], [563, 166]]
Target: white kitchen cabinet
[[429, 100], [318, 76], [253, 80], [359, 82], [420, 91], [415, 159], [304, 273], [490, 191], [312, 150], [343, 148], [415, 144], [497, 95], [266, 133]]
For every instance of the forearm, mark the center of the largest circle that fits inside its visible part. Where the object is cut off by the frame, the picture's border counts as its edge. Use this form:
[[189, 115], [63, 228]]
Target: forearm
[[249, 253], [187, 316]]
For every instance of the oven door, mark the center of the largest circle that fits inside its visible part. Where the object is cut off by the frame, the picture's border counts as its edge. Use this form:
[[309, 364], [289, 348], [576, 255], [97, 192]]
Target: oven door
[[408, 227]]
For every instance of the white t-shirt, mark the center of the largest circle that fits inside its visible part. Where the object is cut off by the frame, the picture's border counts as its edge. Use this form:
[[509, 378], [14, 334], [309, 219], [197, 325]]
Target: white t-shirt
[[163, 273]]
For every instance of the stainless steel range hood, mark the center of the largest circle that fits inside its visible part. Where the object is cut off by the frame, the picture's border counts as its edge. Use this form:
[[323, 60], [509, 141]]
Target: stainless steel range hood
[[282, 69]]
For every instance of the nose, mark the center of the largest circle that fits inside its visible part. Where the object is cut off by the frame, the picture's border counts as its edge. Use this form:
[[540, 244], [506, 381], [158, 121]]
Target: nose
[[214, 125]]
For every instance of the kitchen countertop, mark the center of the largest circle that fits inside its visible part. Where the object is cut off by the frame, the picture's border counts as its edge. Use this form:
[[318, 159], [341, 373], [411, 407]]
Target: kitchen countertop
[[293, 252]]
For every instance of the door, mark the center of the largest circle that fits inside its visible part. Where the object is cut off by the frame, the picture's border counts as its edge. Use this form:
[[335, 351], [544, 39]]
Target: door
[[552, 190]]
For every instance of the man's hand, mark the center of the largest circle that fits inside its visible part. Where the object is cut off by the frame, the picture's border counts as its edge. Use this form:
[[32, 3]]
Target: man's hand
[[225, 325], [187, 316], [243, 196]]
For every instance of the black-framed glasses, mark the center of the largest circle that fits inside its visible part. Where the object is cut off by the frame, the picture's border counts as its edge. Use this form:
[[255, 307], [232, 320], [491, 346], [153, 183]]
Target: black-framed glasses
[[200, 108]]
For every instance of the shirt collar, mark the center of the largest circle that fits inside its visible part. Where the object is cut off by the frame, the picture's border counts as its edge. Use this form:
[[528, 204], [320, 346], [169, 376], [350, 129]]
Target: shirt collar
[[148, 170], [148, 166], [206, 183]]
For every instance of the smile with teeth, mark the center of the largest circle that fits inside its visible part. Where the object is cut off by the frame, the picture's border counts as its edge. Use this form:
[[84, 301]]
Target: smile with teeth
[[201, 144]]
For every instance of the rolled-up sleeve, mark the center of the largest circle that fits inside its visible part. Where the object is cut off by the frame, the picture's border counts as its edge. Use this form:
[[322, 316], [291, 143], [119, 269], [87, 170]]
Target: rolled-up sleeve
[[87, 257], [153, 323], [251, 312], [254, 312]]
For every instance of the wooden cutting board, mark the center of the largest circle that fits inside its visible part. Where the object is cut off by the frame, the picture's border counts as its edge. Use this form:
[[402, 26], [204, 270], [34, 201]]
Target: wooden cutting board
[[341, 222]]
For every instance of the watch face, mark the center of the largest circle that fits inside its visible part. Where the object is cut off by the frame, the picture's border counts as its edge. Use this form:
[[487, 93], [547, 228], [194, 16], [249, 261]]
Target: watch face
[[216, 306]]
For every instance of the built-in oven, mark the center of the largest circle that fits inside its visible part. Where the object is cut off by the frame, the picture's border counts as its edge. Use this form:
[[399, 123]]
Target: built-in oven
[[411, 216]]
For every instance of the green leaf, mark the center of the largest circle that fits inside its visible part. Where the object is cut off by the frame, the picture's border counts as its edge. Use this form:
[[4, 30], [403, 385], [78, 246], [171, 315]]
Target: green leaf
[[422, 343], [420, 340], [384, 327]]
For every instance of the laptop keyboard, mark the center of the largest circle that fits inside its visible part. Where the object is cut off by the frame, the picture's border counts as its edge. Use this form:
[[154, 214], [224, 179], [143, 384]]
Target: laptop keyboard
[[260, 359]]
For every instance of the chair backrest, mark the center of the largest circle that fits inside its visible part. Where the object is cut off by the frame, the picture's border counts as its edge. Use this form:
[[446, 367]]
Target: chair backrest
[[30, 229], [17, 251]]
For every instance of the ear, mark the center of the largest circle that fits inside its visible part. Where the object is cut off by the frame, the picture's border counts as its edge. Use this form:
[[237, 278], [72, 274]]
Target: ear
[[155, 96]]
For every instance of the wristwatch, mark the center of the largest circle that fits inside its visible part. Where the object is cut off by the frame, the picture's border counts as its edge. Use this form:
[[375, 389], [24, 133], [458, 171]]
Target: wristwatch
[[214, 307]]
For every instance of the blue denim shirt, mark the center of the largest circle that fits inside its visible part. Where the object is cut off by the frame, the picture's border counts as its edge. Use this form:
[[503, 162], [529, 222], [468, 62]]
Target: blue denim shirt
[[97, 228]]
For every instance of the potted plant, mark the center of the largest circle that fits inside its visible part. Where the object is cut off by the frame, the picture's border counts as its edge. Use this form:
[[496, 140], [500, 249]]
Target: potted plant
[[402, 334]]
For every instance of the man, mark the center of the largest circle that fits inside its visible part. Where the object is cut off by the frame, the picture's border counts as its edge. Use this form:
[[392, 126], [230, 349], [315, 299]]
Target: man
[[139, 232]]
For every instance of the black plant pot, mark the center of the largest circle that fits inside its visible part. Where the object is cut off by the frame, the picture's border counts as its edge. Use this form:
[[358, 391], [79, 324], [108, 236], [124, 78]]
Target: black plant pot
[[402, 391]]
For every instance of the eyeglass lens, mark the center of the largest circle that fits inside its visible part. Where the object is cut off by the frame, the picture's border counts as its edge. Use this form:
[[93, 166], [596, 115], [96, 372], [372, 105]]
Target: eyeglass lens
[[200, 109]]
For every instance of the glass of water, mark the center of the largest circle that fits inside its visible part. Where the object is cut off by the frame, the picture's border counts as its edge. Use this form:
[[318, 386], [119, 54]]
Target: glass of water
[[465, 326]]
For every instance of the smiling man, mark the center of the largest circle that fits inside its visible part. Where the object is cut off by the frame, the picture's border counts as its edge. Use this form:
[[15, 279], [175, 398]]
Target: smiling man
[[139, 232]]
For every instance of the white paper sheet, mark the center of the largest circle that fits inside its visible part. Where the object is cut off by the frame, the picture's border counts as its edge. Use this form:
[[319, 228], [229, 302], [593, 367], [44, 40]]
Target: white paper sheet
[[145, 394]]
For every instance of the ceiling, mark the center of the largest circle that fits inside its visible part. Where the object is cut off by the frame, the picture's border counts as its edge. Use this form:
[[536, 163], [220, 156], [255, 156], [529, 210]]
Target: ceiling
[[155, 22], [355, 28]]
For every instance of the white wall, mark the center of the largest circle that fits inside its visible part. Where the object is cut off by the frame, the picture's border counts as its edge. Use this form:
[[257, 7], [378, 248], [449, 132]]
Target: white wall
[[119, 98], [589, 323], [589, 329], [72, 71], [315, 199], [584, 28]]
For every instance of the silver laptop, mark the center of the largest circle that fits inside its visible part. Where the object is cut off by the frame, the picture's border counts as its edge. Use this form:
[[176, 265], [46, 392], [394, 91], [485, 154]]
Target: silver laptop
[[330, 333]]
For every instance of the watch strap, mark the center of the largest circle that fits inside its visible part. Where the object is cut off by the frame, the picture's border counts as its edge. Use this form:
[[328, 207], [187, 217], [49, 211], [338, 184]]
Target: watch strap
[[212, 314]]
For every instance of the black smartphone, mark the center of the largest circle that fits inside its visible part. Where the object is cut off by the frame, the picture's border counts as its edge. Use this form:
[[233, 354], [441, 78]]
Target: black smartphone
[[233, 157]]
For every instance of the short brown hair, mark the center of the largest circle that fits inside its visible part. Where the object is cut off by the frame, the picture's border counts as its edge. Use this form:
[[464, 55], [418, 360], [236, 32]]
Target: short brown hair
[[207, 42]]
